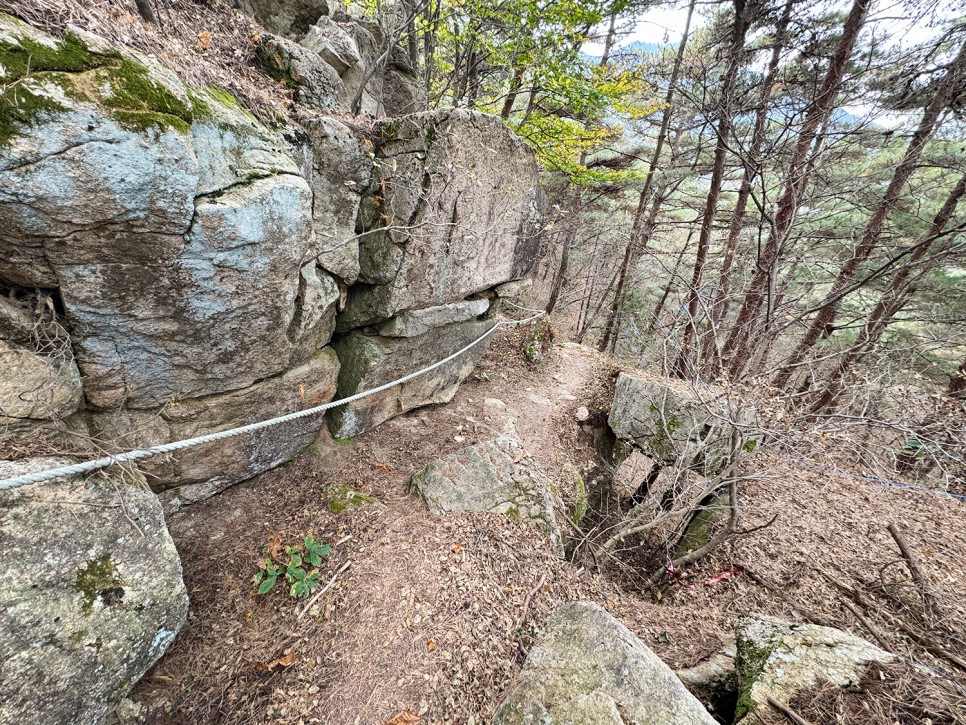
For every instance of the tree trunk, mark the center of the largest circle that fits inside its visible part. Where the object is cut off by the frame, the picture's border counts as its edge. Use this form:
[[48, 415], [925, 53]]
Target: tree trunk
[[752, 169], [569, 239], [957, 383], [892, 300], [736, 350], [825, 318], [610, 327], [146, 11], [743, 15], [515, 84]]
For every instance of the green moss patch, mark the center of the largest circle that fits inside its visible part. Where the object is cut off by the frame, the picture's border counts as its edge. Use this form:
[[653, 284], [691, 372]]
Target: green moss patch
[[342, 498], [131, 98], [750, 663], [99, 579], [139, 102], [27, 56]]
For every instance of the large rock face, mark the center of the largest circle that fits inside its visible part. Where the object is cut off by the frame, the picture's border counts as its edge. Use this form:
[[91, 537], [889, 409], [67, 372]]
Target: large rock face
[[86, 609], [776, 659], [175, 232], [284, 17], [495, 476], [455, 212], [197, 473], [369, 361], [674, 426], [177, 235], [588, 668], [198, 259]]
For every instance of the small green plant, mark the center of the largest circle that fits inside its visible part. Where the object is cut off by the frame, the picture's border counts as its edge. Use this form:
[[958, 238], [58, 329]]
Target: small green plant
[[298, 565]]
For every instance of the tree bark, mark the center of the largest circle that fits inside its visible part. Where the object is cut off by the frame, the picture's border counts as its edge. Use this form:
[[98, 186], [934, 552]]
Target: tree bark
[[871, 236], [752, 169], [146, 11], [743, 14], [893, 299], [736, 350], [609, 337]]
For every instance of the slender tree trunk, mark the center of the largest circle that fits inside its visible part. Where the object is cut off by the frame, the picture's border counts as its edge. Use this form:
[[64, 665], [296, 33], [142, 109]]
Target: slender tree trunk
[[561, 278], [515, 84], [609, 337], [659, 307], [892, 300], [823, 323], [736, 350], [146, 11], [431, 17], [743, 15], [569, 239], [752, 169]]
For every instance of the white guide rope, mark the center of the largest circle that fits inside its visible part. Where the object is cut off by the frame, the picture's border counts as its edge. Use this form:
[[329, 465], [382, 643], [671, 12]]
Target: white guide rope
[[87, 466]]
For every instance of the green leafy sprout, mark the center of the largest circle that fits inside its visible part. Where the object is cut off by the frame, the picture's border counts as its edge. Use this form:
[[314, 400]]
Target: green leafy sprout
[[300, 568]]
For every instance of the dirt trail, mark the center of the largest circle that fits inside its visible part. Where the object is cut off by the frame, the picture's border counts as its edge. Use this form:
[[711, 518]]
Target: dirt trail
[[435, 612]]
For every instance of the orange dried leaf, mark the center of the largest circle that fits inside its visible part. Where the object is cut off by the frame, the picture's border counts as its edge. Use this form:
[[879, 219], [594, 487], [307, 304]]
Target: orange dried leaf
[[406, 717], [457, 549], [286, 660], [431, 645]]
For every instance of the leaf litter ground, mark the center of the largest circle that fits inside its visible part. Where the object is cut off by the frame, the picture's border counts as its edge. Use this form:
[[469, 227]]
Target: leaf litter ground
[[431, 620]]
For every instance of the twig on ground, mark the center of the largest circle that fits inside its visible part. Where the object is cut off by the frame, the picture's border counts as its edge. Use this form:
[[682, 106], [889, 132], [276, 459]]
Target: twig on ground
[[912, 562], [785, 710], [917, 636], [528, 597], [865, 623], [324, 589]]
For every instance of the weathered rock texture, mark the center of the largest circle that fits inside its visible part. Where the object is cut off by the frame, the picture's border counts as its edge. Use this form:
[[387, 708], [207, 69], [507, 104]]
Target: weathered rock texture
[[171, 267], [678, 427], [369, 361], [588, 668], [455, 213], [198, 259], [495, 476], [284, 17], [197, 473], [85, 609], [777, 659], [178, 235]]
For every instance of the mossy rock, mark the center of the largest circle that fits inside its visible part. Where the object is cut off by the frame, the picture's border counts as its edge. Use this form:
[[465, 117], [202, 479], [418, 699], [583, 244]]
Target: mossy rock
[[777, 659], [342, 498], [41, 76]]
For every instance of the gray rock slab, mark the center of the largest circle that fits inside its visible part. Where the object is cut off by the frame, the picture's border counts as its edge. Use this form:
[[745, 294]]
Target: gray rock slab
[[369, 361], [339, 172], [456, 211], [776, 659], [495, 476], [35, 386], [284, 17], [417, 322], [677, 427], [197, 473], [316, 83], [91, 593], [332, 43], [588, 668]]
